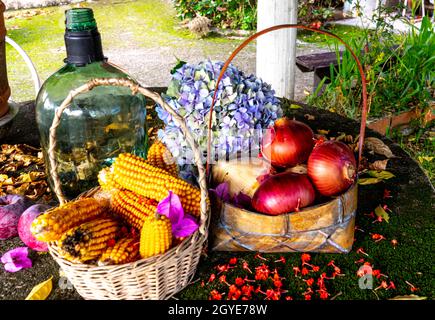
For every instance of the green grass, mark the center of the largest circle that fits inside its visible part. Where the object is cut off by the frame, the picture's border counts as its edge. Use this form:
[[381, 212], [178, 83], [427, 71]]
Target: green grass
[[122, 24], [347, 33], [420, 145]]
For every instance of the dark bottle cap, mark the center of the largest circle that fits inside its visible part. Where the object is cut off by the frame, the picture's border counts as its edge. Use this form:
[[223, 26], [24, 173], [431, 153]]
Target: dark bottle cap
[[82, 39]]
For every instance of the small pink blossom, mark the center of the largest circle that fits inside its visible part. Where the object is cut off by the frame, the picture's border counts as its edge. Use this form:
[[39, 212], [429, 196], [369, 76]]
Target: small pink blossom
[[16, 259]]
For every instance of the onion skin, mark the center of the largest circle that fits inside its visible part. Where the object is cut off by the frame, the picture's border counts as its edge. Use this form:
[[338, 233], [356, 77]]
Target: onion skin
[[24, 223], [283, 193], [332, 168], [241, 174], [11, 208], [288, 143]]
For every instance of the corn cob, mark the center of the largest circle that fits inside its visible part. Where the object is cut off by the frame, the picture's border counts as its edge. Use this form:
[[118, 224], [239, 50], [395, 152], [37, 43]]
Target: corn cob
[[133, 208], [89, 240], [124, 251], [133, 173], [156, 236], [53, 223], [106, 180], [159, 156]]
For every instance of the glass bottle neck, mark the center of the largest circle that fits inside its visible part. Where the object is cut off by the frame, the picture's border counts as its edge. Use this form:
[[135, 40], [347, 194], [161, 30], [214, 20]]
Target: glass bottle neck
[[83, 47]]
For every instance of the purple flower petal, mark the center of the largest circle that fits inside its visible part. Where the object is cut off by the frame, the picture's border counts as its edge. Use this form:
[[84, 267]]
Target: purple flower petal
[[242, 200], [11, 267], [222, 191], [171, 207], [16, 259], [186, 227]]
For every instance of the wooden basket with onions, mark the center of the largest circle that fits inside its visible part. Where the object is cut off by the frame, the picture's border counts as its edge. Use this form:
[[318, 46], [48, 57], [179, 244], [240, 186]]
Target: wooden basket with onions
[[281, 214], [94, 227]]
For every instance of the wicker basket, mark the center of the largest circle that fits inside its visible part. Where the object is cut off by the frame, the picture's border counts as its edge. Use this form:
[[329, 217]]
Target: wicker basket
[[158, 277], [327, 227]]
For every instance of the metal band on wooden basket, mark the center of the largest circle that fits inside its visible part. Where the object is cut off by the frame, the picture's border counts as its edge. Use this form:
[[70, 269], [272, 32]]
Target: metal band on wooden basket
[[158, 277]]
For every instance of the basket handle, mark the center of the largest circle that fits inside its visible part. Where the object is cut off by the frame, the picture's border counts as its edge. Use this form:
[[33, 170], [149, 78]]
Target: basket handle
[[292, 26], [135, 88]]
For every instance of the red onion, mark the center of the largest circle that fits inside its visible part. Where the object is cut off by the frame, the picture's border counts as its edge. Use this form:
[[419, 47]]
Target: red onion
[[287, 143], [24, 223], [11, 208], [282, 193], [332, 167]]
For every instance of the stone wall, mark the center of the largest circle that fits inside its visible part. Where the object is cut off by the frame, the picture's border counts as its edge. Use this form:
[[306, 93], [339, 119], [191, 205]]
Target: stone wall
[[24, 4]]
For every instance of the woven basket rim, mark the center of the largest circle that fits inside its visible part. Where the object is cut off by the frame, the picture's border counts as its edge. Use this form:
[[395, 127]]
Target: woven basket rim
[[54, 251]]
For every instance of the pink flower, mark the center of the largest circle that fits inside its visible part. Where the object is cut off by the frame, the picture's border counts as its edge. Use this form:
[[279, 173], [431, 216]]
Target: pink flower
[[183, 225], [16, 259], [222, 191], [212, 277]]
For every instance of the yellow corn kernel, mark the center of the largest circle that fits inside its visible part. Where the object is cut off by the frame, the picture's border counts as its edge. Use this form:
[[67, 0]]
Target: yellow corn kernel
[[106, 180], [135, 174], [159, 156], [89, 240], [124, 251], [53, 223], [133, 208], [155, 237]]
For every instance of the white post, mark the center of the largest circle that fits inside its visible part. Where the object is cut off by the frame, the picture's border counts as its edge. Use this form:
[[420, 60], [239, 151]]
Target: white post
[[276, 51]]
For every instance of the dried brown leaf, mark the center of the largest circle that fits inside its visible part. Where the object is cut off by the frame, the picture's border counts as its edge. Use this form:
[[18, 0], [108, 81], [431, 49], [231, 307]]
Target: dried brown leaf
[[366, 181], [309, 117], [380, 212], [21, 190], [347, 138], [322, 131], [378, 146], [379, 165], [409, 297], [384, 175], [295, 106], [340, 137], [36, 190]]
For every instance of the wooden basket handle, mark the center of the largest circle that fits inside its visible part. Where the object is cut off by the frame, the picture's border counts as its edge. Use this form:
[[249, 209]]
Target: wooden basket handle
[[292, 26], [135, 88]]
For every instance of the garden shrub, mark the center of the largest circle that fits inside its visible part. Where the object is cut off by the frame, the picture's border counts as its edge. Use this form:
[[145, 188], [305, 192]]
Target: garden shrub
[[242, 14], [399, 69], [234, 14]]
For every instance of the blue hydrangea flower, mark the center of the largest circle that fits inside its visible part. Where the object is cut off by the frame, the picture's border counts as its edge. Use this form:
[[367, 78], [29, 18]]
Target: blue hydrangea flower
[[244, 106]]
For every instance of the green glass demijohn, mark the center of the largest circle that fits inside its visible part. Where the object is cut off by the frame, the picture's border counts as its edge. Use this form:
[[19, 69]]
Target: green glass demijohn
[[99, 124]]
